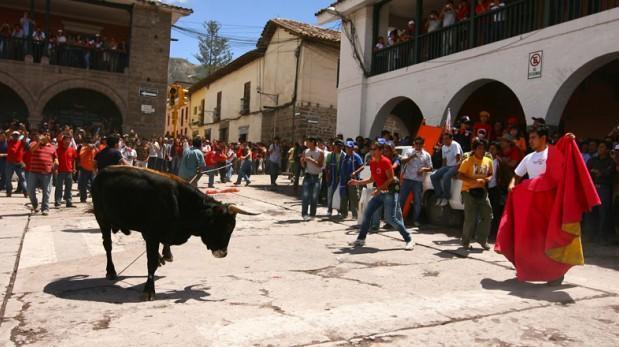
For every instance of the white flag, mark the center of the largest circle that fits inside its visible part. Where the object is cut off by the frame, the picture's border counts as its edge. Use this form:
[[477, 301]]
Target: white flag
[[448, 128]]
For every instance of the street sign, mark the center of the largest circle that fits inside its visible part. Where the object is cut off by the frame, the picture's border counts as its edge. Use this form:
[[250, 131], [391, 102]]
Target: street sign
[[148, 109], [535, 64], [149, 92]]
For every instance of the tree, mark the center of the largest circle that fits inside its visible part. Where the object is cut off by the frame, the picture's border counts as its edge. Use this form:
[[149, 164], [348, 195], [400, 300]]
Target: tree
[[214, 49]]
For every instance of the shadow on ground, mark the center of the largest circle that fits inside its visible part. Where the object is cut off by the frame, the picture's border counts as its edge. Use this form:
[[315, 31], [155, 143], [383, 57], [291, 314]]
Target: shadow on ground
[[533, 291], [84, 288]]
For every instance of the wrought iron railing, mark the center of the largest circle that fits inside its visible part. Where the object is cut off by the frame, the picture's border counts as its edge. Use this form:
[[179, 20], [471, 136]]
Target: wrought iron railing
[[516, 18], [111, 60]]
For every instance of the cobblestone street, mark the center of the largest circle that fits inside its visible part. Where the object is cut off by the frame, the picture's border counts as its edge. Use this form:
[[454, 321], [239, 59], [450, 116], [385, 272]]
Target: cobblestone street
[[288, 282]]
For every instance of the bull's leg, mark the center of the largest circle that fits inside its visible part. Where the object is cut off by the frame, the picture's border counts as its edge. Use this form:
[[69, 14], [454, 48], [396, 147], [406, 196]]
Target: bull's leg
[[166, 253], [106, 232], [152, 254]]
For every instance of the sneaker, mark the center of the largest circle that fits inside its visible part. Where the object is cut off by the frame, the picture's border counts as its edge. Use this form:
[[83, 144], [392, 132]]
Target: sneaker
[[307, 218], [8, 195], [556, 283], [247, 183], [44, 212], [410, 245], [444, 202], [357, 243], [35, 210], [26, 195], [56, 204], [438, 202], [416, 225], [70, 205]]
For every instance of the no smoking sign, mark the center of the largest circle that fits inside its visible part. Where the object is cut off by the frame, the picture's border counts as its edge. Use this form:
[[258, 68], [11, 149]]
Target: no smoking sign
[[535, 64]]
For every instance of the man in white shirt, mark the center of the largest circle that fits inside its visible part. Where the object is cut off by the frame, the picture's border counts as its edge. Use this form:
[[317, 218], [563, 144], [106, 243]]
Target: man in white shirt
[[417, 163], [534, 164], [441, 179], [312, 160]]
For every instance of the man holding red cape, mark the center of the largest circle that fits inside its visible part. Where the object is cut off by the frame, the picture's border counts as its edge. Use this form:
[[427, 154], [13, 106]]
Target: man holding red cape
[[540, 229]]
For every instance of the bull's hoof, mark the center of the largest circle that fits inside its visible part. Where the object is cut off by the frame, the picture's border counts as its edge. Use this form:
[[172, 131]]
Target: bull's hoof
[[161, 261], [148, 296], [125, 231], [111, 275], [167, 257]]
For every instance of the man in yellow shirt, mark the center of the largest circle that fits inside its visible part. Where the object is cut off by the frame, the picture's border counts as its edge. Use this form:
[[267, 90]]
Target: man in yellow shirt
[[475, 173]]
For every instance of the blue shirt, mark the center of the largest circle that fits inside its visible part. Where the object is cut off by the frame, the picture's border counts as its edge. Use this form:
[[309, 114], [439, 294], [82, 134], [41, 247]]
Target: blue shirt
[[193, 159], [348, 165]]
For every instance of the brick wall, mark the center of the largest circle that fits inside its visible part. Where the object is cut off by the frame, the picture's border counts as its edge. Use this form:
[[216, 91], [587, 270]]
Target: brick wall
[[314, 120]]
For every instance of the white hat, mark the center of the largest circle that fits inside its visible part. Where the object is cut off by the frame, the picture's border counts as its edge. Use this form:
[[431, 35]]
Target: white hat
[[15, 133], [617, 147], [411, 22]]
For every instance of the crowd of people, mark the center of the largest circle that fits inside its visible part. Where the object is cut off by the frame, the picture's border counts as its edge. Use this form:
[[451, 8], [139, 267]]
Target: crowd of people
[[67, 49], [489, 157], [451, 13]]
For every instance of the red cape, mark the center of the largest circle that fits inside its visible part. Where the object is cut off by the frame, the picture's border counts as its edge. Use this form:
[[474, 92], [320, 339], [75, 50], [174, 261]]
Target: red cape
[[540, 229]]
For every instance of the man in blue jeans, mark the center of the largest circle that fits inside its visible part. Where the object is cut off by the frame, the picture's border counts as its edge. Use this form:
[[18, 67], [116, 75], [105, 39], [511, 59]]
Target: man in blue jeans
[[441, 179], [417, 163], [312, 160], [384, 195]]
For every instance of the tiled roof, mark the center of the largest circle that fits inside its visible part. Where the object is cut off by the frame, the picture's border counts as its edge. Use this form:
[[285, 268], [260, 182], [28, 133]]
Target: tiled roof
[[185, 11], [232, 66], [303, 30]]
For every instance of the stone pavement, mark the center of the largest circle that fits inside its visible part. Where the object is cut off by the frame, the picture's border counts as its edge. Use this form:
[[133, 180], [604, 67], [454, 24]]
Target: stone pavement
[[288, 282]]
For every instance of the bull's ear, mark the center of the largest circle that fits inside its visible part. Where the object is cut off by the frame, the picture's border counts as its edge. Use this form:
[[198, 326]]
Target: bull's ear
[[233, 209]]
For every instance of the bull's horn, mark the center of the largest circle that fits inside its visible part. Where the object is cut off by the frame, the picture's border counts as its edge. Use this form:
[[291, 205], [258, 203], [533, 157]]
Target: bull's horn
[[235, 209]]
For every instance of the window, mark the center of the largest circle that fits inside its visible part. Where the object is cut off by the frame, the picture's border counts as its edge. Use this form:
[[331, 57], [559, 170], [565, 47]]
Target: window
[[168, 117], [223, 135], [207, 134], [202, 121], [195, 110], [217, 113], [182, 116], [246, 98], [243, 131]]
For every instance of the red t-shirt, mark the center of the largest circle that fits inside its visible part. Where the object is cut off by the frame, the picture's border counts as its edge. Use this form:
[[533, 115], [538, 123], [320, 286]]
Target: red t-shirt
[[27, 158], [487, 127], [210, 158], [15, 151], [513, 153], [379, 170], [43, 159], [66, 158]]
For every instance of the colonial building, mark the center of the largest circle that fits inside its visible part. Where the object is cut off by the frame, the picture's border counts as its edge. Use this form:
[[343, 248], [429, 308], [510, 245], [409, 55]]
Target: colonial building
[[554, 59], [100, 64], [182, 124], [285, 87]]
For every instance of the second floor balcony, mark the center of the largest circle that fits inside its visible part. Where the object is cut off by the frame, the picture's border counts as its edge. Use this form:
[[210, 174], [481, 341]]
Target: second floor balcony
[[414, 38]]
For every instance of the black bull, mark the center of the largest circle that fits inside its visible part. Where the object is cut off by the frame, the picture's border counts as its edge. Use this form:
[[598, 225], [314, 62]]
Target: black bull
[[164, 208]]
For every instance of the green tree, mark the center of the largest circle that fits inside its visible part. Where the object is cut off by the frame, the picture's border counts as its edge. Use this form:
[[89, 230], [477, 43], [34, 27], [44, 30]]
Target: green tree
[[214, 49]]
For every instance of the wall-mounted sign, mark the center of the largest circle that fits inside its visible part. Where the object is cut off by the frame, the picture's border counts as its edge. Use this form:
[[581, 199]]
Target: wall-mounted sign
[[535, 64], [147, 109], [149, 92]]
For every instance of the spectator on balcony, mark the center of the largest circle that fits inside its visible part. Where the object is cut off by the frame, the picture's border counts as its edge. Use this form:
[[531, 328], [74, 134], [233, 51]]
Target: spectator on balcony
[[380, 43], [481, 7], [5, 35], [393, 38], [463, 10], [38, 40], [411, 29], [17, 46], [498, 20], [60, 46], [448, 18], [26, 24], [433, 23]]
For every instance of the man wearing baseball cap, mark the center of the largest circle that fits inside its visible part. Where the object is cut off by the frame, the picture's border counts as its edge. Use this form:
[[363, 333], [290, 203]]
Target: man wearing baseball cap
[[16, 147], [350, 167]]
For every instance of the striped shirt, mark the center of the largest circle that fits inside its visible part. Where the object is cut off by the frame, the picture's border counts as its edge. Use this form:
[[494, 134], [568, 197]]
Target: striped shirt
[[42, 159]]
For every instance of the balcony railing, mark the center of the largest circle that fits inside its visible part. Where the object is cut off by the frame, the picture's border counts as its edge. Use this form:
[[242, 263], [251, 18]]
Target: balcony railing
[[64, 54], [517, 18]]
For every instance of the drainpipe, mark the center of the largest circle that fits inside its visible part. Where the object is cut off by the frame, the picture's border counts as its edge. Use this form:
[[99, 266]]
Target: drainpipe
[[297, 53]]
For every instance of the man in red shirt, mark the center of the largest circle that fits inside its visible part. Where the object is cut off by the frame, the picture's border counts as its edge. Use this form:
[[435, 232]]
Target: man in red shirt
[[16, 147], [42, 162], [66, 155], [484, 123], [210, 159], [384, 195]]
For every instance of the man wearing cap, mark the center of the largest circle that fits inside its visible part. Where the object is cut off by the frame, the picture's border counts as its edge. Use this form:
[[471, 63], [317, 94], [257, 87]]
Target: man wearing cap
[[332, 171], [538, 121], [351, 166], [384, 195], [16, 148], [417, 163], [464, 136]]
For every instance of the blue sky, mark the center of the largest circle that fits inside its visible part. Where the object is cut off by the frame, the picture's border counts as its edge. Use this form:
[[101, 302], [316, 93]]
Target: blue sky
[[241, 20]]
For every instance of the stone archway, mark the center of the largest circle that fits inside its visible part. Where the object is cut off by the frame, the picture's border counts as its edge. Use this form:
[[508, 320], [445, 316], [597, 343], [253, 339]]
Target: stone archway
[[50, 92], [12, 89], [84, 108], [13, 106], [587, 103], [487, 95], [398, 113]]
